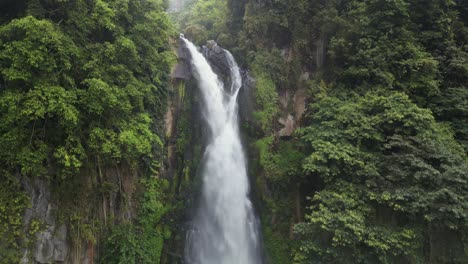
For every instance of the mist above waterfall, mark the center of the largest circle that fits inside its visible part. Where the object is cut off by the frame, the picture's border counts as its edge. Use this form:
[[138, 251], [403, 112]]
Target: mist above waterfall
[[178, 5]]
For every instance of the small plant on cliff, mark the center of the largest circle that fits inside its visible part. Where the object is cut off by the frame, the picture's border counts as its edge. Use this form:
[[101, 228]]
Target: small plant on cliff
[[13, 202], [141, 242]]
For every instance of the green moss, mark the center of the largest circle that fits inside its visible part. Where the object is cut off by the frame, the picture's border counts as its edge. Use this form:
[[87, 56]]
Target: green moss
[[13, 202], [281, 160], [277, 246], [35, 226], [266, 99], [141, 241]]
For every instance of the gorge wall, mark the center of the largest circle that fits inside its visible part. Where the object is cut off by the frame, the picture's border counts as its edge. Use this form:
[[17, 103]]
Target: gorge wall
[[328, 133], [353, 114], [84, 88]]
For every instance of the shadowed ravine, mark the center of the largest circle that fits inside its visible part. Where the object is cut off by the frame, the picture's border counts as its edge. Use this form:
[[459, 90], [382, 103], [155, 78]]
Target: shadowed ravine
[[225, 227]]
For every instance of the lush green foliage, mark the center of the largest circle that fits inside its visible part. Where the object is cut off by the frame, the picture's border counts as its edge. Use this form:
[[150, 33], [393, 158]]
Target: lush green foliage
[[380, 156], [266, 98], [12, 205], [141, 242], [67, 92], [83, 86], [384, 141], [202, 20]]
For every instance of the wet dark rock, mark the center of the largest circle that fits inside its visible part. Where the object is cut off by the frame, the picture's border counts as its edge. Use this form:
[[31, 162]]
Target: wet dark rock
[[182, 69], [246, 99], [51, 243], [216, 56]]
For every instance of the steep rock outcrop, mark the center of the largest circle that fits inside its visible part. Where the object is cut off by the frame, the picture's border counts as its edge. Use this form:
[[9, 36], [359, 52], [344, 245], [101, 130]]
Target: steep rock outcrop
[[289, 125], [108, 198], [292, 109], [216, 56], [182, 69], [51, 243], [246, 99]]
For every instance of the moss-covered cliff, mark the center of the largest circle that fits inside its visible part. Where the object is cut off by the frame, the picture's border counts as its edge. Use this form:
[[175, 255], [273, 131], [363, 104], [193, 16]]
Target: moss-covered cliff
[[357, 134], [83, 91], [353, 115]]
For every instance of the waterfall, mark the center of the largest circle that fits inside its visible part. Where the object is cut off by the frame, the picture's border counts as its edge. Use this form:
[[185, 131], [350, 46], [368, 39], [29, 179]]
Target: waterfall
[[225, 229]]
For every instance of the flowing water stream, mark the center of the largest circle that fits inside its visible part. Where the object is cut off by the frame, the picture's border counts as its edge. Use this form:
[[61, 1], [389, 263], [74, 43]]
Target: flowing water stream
[[225, 228]]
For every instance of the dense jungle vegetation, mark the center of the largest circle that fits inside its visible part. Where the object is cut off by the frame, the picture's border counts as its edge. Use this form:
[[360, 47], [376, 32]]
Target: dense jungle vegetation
[[380, 159], [376, 171], [83, 89]]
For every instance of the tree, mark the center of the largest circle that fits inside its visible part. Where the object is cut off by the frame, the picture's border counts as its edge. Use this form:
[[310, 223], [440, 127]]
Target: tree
[[389, 171]]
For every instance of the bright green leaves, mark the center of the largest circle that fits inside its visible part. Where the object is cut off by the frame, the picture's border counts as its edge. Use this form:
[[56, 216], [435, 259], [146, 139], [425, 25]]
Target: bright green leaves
[[60, 97], [141, 242], [70, 156], [34, 50], [127, 48], [51, 101], [13, 202], [102, 98], [83, 86], [31, 158], [39, 103], [132, 141], [104, 142], [137, 139], [340, 228], [103, 15], [36, 59], [266, 98], [132, 136]]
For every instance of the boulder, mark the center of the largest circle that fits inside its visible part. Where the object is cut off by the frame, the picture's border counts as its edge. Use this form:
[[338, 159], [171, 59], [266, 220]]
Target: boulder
[[216, 56]]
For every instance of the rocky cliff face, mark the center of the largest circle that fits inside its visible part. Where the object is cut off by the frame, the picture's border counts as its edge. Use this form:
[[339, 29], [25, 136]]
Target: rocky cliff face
[[58, 240], [50, 244], [186, 135], [55, 241]]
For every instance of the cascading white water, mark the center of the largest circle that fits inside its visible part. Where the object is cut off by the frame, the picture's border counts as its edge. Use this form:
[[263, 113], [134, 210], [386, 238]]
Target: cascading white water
[[225, 227]]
